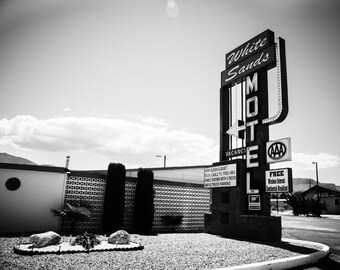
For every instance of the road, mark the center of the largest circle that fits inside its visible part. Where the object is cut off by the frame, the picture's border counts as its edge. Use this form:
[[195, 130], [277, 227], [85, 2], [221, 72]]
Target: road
[[324, 230]]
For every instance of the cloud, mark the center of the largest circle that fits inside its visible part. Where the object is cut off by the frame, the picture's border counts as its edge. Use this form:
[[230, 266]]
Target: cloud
[[149, 120], [304, 161], [127, 139], [132, 141]]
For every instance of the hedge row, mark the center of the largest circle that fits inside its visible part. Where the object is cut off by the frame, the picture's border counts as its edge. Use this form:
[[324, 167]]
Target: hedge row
[[113, 213]]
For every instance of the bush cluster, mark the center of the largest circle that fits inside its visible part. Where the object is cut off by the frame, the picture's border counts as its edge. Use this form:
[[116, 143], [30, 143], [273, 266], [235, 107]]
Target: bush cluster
[[305, 206], [114, 200]]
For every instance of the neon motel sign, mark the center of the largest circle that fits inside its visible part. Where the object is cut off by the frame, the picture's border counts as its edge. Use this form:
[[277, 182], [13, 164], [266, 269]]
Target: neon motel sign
[[244, 65], [246, 68]]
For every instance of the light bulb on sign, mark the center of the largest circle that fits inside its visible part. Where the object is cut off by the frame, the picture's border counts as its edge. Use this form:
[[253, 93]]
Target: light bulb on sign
[[172, 8]]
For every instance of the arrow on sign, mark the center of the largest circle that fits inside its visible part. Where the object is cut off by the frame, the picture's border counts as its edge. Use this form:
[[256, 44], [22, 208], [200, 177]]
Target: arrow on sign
[[239, 126], [236, 128]]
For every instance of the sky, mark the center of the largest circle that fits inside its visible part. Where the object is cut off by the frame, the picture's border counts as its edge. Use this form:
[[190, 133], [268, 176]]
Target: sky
[[127, 80]]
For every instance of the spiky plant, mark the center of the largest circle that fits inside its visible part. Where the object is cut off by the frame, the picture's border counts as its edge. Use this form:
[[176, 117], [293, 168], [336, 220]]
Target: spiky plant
[[73, 213]]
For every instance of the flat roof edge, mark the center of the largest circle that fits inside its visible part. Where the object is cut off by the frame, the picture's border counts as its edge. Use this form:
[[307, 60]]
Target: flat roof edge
[[39, 168], [173, 168]]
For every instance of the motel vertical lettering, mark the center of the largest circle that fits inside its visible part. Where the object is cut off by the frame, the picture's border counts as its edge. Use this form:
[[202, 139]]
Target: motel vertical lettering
[[256, 134]]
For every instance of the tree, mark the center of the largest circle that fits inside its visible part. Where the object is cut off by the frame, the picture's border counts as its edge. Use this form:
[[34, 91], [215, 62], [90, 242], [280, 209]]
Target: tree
[[295, 201], [305, 206], [144, 208], [73, 213], [114, 200], [318, 207]]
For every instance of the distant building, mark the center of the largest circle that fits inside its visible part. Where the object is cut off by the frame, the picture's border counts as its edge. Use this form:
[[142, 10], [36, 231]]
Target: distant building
[[329, 193]]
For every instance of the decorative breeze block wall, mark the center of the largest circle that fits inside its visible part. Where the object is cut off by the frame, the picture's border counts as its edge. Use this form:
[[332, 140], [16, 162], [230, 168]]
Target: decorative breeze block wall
[[88, 190], [191, 201]]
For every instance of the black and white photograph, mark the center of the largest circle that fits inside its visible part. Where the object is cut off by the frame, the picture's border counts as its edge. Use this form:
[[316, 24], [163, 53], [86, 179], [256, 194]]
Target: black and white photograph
[[169, 134]]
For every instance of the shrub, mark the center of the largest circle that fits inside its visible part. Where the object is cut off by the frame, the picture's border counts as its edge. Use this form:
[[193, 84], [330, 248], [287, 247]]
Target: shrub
[[86, 238], [295, 201], [144, 209], [172, 220], [114, 199], [73, 213], [305, 206], [318, 207]]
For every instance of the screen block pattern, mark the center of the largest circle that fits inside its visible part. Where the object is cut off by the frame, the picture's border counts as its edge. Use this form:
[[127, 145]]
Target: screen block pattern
[[130, 189], [191, 201], [87, 191]]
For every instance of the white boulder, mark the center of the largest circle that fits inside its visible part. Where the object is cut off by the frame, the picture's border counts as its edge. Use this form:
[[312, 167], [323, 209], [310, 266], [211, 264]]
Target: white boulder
[[119, 237], [40, 240]]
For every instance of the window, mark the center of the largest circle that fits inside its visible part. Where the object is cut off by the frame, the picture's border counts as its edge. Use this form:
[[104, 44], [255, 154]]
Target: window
[[13, 183], [337, 202]]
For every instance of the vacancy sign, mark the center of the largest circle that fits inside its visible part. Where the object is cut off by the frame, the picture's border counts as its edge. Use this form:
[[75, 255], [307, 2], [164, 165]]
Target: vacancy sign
[[279, 180], [279, 150], [220, 176]]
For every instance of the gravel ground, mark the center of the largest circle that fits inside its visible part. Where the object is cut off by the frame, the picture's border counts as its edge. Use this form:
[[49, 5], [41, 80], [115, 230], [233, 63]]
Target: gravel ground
[[164, 251]]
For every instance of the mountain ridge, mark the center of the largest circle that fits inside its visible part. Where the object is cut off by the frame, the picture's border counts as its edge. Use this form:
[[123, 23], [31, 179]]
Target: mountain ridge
[[7, 158]]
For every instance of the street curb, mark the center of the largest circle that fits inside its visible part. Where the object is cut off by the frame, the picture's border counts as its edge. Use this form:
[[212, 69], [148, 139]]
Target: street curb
[[286, 263]]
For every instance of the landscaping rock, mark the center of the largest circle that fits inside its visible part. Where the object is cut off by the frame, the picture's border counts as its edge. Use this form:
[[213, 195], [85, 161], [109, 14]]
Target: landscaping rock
[[119, 237], [45, 239]]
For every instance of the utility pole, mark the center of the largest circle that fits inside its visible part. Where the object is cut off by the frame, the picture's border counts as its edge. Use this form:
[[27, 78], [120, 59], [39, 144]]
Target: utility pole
[[67, 161], [164, 157], [317, 180]]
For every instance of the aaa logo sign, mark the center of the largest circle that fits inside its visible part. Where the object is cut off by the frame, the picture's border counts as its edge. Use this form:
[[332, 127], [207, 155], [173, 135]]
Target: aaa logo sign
[[279, 150]]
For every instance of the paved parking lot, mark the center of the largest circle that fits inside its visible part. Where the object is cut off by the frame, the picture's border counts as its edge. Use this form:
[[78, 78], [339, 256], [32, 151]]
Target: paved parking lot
[[324, 230]]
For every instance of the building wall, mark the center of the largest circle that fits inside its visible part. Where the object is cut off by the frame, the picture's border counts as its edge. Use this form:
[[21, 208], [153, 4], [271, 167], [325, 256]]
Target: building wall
[[189, 200], [27, 209], [329, 196], [192, 174], [332, 208], [86, 189]]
